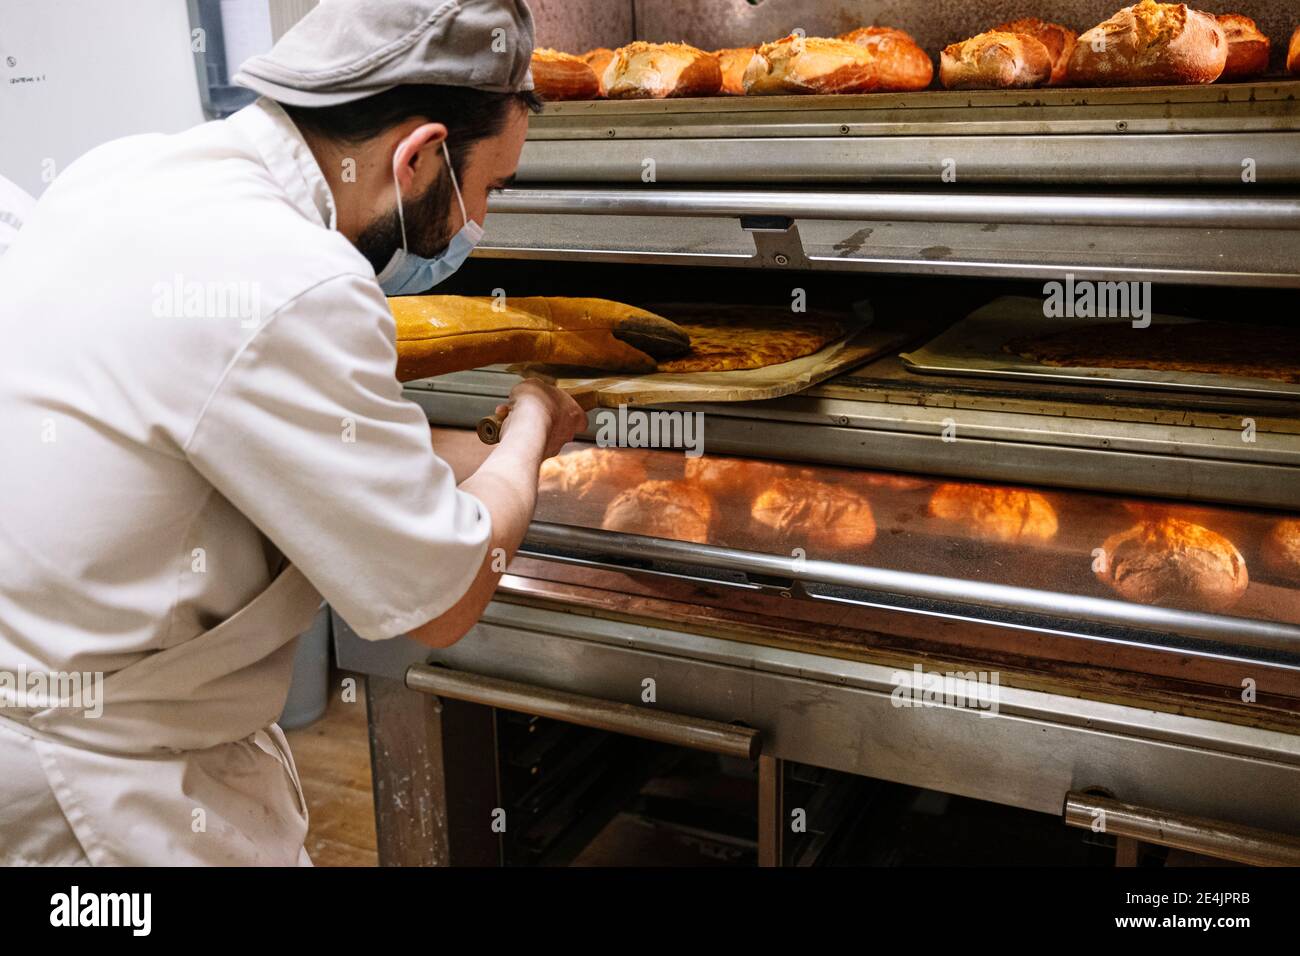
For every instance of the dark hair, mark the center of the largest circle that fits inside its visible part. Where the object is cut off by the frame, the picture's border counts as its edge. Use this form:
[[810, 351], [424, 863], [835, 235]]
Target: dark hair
[[469, 115]]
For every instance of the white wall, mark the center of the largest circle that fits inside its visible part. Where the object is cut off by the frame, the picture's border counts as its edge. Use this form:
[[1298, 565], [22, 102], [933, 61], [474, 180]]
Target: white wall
[[88, 71]]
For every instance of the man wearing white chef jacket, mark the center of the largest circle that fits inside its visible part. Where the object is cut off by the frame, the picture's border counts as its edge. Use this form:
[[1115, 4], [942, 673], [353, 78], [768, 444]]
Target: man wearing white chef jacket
[[204, 434]]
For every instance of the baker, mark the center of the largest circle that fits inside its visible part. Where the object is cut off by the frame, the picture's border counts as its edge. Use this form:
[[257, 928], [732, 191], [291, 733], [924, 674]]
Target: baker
[[204, 435]]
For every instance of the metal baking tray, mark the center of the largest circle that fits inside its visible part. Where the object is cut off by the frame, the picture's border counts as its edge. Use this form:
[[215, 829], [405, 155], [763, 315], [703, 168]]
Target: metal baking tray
[[973, 346]]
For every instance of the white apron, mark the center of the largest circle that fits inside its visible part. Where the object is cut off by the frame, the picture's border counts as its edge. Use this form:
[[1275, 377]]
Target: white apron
[[185, 765]]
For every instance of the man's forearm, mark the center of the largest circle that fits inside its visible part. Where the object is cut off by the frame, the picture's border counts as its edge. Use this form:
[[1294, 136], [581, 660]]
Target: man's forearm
[[506, 484]]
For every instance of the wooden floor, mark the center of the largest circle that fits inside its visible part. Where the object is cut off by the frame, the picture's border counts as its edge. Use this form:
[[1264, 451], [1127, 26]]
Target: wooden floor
[[333, 758]]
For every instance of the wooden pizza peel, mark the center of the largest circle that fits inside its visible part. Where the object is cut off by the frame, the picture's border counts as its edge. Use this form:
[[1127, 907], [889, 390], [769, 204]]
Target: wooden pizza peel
[[861, 344]]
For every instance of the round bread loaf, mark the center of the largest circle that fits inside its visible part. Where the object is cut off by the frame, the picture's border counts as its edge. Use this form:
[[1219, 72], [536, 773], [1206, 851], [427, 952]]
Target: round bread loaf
[[995, 60], [1248, 49], [643, 70], [1174, 563], [991, 513], [591, 474], [733, 63], [1060, 42], [1293, 53], [1281, 549], [1149, 44], [798, 64], [662, 509], [814, 515], [598, 59], [560, 76], [901, 64], [731, 478]]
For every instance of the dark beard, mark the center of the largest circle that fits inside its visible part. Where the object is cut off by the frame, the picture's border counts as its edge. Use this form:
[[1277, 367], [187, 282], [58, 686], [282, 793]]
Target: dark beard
[[427, 231]]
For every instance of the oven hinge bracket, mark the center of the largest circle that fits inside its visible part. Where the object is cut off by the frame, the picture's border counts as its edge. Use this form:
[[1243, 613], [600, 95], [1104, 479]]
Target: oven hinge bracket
[[776, 241]]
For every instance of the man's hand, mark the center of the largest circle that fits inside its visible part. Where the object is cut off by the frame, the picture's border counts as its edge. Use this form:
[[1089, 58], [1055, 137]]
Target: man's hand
[[537, 408]]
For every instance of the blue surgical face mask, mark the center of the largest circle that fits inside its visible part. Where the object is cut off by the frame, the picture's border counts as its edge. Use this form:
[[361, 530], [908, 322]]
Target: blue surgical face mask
[[407, 273]]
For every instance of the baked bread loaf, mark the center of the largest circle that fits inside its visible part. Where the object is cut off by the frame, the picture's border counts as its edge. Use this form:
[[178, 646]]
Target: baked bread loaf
[[1149, 44], [990, 513], [591, 474], [901, 64], [643, 70], [1293, 53], [437, 334], [559, 76], [662, 509], [733, 63], [994, 61], [1281, 549], [1174, 563], [598, 59], [1060, 42], [797, 64], [733, 478], [815, 515], [1248, 49]]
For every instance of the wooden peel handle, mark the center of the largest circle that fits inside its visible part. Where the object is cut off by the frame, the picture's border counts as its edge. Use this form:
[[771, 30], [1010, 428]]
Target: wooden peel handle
[[489, 427]]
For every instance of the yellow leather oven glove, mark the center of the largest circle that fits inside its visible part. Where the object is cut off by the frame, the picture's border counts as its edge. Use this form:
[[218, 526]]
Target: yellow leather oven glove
[[437, 334]]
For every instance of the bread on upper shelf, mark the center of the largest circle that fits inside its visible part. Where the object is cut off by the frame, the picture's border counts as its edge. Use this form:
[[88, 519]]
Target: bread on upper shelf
[[561, 76], [1248, 48], [901, 64], [1293, 53], [1059, 40], [598, 59], [733, 63], [799, 64], [643, 70], [1149, 44], [995, 60]]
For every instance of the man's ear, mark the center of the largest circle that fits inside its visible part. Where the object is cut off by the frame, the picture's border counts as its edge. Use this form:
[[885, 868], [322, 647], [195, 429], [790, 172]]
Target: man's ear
[[416, 147]]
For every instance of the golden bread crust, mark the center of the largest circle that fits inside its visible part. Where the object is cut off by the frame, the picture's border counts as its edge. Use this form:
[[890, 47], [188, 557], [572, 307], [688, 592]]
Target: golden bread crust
[[796, 64], [643, 70], [1248, 48], [590, 474], [995, 60], [1059, 40], [560, 76], [662, 509], [815, 515], [1281, 549], [733, 63], [901, 64], [992, 513], [1174, 563], [1149, 44]]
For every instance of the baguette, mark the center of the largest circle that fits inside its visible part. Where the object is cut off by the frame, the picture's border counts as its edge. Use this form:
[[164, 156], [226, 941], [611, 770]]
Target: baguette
[[733, 62], [598, 59], [559, 76], [437, 334], [797, 64], [1060, 42], [1148, 44], [1248, 49], [1293, 53], [901, 64], [995, 60], [643, 70]]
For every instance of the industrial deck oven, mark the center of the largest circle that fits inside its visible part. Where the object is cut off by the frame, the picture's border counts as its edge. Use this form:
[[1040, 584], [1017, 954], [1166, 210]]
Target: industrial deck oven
[[1144, 723]]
